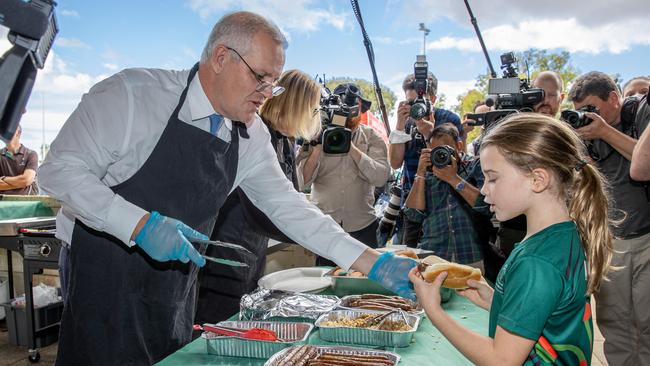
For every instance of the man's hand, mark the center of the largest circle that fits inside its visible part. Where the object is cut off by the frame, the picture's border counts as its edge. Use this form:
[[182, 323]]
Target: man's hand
[[392, 271], [165, 239], [425, 127], [424, 163], [595, 129], [468, 126], [403, 111], [355, 153], [449, 173]]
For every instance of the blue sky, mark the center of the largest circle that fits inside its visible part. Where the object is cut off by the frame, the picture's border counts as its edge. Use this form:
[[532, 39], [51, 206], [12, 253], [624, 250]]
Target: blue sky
[[99, 38]]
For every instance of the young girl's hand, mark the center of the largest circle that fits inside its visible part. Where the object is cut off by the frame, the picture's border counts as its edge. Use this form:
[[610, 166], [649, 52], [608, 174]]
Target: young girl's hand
[[428, 293], [479, 292]]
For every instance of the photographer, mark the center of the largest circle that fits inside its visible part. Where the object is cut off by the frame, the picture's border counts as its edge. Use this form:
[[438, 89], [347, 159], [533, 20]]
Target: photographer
[[551, 83], [636, 86], [445, 198], [342, 185], [640, 168], [622, 303], [409, 138]]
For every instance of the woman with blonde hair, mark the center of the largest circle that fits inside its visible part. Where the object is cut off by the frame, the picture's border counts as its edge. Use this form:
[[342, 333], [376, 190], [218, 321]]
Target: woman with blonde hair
[[540, 312], [288, 116]]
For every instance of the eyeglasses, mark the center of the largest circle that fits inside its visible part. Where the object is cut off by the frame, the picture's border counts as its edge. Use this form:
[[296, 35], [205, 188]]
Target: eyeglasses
[[262, 85]]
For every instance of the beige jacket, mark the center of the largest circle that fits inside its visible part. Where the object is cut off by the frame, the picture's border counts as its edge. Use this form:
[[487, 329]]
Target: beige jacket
[[343, 188]]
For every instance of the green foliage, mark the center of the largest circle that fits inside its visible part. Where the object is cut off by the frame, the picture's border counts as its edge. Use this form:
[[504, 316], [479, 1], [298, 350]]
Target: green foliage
[[368, 93], [542, 60], [466, 103]]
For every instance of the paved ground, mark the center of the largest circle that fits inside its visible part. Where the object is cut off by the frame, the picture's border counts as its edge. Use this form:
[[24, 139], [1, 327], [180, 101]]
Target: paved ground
[[17, 356]]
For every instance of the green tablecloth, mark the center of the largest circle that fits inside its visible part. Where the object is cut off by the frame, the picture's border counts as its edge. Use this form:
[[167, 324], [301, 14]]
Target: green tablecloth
[[22, 209], [428, 347]]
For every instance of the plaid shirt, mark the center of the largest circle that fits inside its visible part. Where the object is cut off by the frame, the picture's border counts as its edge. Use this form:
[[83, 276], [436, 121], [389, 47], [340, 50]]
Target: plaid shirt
[[413, 147], [447, 223]]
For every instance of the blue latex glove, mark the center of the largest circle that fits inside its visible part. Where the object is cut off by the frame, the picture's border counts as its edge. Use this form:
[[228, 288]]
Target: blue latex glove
[[166, 239], [392, 272]]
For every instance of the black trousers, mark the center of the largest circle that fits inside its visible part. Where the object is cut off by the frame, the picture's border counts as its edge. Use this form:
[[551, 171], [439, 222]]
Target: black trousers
[[367, 235], [412, 232]]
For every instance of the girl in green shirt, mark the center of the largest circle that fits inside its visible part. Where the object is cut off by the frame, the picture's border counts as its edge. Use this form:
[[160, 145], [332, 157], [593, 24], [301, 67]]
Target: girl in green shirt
[[540, 312]]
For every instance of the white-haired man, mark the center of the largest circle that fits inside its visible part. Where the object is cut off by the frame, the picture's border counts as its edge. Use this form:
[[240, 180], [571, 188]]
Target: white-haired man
[[143, 166]]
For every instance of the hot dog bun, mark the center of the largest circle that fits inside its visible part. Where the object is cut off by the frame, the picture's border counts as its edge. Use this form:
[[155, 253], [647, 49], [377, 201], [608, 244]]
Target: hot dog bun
[[457, 274]]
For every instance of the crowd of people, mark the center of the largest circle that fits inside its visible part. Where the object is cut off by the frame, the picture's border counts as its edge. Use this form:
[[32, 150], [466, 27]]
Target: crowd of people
[[551, 214]]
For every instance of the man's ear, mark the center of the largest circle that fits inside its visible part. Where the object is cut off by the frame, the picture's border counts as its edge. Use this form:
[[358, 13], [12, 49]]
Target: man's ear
[[541, 180], [562, 95], [460, 146], [218, 58], [433, 99], [614, 99]]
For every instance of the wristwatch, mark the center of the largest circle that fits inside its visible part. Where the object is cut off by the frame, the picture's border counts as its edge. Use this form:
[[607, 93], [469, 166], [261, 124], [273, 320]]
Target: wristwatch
[[459, 187]]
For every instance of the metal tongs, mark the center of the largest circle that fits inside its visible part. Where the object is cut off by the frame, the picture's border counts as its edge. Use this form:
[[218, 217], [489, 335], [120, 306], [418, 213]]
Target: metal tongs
[[223, 244], [378, 320]]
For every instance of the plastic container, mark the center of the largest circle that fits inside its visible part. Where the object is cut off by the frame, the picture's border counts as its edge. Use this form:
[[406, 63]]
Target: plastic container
[[4, 295], [43, 317]]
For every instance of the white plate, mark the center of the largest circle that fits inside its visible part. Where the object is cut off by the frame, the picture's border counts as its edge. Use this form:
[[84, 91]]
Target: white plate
[[421, 253], [303, 279]]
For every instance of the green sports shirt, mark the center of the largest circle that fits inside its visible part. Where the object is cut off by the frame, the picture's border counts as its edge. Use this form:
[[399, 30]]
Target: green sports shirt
[[540, 294]]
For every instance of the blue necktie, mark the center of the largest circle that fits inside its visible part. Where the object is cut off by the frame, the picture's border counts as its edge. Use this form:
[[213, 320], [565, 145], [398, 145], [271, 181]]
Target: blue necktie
[[215, 122]]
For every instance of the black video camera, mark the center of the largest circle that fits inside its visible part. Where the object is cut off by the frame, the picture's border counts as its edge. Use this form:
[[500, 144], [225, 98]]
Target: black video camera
[[421, 106], [335, 110], [32, 29], [441, 156], [508, 94], [577, 118]]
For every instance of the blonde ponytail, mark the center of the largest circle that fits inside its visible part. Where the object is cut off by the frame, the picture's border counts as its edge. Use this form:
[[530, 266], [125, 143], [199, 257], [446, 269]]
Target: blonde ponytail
[[588, 207]]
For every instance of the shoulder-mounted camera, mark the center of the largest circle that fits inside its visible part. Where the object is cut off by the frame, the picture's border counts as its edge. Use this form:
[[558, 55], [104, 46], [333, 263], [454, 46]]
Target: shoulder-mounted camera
[[336, 108]]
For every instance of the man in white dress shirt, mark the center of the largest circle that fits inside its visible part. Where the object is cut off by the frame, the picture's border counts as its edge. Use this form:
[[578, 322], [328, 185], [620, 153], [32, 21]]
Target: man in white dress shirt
[[142, 167]]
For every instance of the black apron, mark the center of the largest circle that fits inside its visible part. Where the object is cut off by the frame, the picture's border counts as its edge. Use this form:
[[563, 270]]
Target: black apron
[[125, 308], [221, 287]]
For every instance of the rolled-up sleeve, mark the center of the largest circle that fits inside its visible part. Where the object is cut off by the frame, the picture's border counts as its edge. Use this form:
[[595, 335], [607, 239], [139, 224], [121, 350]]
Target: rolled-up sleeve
[[414, 215], [89, 142], [292, 213], [373, 166]]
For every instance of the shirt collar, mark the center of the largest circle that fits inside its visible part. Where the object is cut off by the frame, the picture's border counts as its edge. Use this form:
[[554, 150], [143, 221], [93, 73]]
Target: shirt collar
[[200, 106], [21, 150]]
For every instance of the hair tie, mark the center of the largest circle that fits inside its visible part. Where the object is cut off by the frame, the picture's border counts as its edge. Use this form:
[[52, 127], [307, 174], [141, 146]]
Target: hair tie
[[581, 164]]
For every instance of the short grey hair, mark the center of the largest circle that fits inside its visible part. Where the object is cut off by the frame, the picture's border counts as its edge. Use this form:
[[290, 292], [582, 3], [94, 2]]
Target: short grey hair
[[237, 29]]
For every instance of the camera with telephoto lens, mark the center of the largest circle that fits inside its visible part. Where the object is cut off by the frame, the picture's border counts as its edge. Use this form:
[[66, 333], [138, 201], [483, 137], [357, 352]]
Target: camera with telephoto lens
[[508, 94], [387, 222], [441, 156], [577, 118], [420, 106]]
